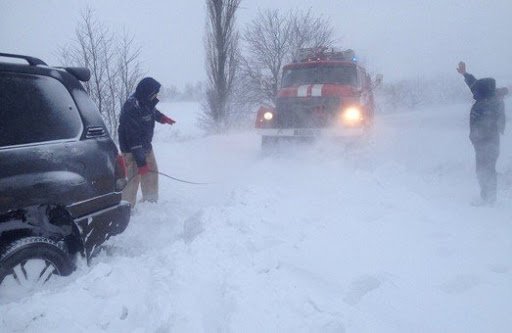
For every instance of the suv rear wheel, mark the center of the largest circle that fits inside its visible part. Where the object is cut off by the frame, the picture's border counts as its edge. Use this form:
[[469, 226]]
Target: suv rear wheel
[[28, 263]]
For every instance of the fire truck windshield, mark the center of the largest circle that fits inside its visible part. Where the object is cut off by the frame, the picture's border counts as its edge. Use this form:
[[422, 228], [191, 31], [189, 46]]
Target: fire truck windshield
[[320, 74]]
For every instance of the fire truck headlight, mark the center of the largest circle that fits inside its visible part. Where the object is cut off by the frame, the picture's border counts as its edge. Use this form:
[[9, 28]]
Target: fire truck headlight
[[268, 115], [352, 115]]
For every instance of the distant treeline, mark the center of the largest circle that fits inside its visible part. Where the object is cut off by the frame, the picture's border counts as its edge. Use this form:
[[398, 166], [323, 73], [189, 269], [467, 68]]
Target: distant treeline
[[411, 94], [402, 95], [192, 92]]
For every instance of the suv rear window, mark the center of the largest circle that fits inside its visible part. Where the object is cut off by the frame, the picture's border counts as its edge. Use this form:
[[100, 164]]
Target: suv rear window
[[35, 108]]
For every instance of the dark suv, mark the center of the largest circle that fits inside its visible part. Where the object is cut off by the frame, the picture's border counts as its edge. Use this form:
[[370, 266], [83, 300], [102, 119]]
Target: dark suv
[[60, 173]]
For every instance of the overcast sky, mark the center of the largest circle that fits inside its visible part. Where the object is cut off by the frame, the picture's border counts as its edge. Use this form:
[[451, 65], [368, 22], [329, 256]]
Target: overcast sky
[[398, 38]]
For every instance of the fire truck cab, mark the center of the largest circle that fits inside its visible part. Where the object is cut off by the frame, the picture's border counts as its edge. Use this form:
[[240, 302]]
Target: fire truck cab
[[324, 93]]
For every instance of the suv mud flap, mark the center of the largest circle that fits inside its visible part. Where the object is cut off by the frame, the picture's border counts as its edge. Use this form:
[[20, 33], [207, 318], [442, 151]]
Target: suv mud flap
[[96, 228]]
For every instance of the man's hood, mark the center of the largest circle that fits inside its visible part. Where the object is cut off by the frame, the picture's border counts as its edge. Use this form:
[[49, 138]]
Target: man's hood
[[146, 88], [484, 88]]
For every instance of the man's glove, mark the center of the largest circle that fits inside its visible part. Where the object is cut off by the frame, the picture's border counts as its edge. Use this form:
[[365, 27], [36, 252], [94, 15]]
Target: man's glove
[[143, 170], [167, 120]]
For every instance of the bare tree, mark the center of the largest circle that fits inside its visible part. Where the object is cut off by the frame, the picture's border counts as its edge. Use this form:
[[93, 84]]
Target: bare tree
[[272, 40], [269, 39], [309, 31], [113, 63], [128, 65], [222, 61], [111, 82]]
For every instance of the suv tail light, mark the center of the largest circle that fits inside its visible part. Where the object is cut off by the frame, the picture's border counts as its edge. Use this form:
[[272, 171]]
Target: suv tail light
[[120, 173]]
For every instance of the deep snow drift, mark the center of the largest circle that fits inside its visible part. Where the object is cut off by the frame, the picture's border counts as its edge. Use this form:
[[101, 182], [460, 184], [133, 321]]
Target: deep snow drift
[[325, 238]]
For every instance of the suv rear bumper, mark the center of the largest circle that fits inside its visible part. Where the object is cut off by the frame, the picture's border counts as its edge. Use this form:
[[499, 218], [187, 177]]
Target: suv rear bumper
[[97, 227], [312, 132]]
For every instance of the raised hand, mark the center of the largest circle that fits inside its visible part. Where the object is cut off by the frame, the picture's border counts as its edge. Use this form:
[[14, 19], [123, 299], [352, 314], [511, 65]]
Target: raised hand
[[462, 68]]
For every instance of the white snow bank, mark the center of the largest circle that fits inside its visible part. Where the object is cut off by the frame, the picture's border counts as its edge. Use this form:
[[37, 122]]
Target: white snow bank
[[323, 238]]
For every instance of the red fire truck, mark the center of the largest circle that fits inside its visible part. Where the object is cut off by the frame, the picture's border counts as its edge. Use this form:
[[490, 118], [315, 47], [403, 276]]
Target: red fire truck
[[324, 93]]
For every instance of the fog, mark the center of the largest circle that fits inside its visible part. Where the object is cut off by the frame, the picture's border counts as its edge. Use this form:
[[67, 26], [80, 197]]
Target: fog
[[398, 38]]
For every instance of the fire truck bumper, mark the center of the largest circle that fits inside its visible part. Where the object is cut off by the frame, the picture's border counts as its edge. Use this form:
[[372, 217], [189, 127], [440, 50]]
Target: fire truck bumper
[[312, 132]]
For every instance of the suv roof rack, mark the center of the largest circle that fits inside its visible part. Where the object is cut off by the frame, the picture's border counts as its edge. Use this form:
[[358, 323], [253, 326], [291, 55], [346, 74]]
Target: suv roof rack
[[31, 60]]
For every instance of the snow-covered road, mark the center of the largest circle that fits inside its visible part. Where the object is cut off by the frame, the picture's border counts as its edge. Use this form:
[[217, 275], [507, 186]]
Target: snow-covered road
[[319, 238]]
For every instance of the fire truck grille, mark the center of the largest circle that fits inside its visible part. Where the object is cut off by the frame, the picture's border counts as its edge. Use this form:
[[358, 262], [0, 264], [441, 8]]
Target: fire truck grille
[[306, 112]]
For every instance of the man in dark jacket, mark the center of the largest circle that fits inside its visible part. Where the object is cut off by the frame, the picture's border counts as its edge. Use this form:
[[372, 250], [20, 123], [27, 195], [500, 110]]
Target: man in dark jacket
[[136, 126], [486, 123]]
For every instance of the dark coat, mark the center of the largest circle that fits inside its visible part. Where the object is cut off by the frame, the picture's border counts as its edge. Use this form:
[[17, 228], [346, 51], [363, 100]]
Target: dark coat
[[137, 121], [487, 116]]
